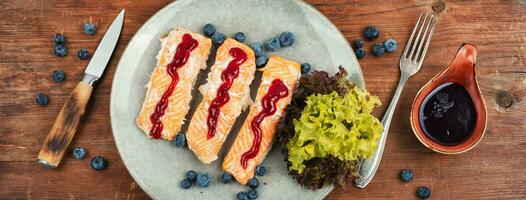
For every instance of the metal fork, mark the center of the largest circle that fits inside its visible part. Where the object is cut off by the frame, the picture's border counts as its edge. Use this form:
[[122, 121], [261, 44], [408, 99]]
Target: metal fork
[[410, 63]]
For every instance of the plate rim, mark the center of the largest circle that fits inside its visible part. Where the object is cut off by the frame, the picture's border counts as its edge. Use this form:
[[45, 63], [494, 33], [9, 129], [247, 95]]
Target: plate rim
[[154, 17]]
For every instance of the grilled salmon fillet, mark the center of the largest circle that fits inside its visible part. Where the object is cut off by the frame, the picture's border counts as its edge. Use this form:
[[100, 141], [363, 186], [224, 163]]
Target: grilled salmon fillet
[[182, 56], [224, 95], [255, 137]]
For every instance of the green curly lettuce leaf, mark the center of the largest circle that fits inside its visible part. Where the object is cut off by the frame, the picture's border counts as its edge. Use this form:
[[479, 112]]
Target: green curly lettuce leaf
[[314, 137], [341, 127]]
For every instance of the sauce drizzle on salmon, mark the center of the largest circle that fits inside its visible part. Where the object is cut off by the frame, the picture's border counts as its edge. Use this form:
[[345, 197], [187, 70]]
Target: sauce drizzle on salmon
[[187, 45], [227, 76], [276, 91]]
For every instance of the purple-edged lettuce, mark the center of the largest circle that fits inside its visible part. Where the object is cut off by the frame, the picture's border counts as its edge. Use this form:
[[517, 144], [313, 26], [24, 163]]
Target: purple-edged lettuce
[[327, 129]]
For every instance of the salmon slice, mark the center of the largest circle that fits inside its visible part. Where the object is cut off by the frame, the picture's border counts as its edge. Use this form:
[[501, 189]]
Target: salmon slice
[[277, 72], [207, 133], [193, 51]]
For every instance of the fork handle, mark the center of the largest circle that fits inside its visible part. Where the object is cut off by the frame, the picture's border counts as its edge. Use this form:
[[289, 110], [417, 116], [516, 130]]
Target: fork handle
[[369, 166]]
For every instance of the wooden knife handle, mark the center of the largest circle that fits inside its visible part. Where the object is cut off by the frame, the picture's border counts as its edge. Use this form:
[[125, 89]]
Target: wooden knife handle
[[60, 135]]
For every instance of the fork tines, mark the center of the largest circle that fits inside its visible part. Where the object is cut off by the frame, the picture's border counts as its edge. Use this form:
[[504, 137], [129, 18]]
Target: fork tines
[[422, 24]]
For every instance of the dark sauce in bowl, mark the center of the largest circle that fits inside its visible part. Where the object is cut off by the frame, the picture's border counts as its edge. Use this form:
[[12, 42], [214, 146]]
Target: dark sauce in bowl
[[447, 115]]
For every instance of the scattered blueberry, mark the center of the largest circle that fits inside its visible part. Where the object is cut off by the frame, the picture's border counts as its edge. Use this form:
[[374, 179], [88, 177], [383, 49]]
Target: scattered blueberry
[[358, 43], [42, 99], [218, 38], [272, 44], [260, 170], [203, 179], [423, 192], [209, 30], [83, 54], [359, 52], [98, 163], [371, 32], [60, 50], [79, 153], [242, 196], [305, 68], [406, 175], [253, 183], [286, 39], [226, 178], [58, 75], [252, 194], [180, 140], [186, 183], [390, 45], [258, 49], [191, 175], [378, 49], [240, 36], [59, 38], [261, 61], [89, 28]]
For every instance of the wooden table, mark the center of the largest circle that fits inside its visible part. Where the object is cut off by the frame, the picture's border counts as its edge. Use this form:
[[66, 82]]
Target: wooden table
[[495, 169]]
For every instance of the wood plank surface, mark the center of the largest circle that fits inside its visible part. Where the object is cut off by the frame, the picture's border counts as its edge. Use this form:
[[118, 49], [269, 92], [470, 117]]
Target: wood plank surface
[[495, 169]]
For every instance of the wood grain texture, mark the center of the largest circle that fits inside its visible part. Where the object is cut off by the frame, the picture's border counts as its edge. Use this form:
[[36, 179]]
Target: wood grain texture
[[495, 169], [65, 126]]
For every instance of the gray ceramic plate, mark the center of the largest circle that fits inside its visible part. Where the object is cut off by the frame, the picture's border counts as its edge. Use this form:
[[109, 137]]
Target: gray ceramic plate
[[157, 165]]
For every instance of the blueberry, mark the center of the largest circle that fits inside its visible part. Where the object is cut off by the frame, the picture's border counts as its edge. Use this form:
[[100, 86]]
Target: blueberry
[[204, 179], [378, 49], [252, 194], [60, 50], [358, 43], [42, 99], [261, 61], [371, 32], [191, 175], [260, 170], [98, 163], [406, 175], [89, 28], [83, 54], [79, 153], [253, 183], [286, 39], [258, 49], [58, 75], [272, 44], [240, 36], [242, 196], [360, 53], [180, 140], [226, 178], [59, 38], [186, 183], [423, 192], [209, 30], [218, 38], [305, 68], [390, 45]]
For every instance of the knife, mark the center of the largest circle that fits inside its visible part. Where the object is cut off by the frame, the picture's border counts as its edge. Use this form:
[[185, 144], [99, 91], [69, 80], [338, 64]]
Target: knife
[[60, 135]]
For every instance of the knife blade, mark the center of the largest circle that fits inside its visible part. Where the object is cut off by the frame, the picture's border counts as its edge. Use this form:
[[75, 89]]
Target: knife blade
[[103, 53], [67, 121]]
